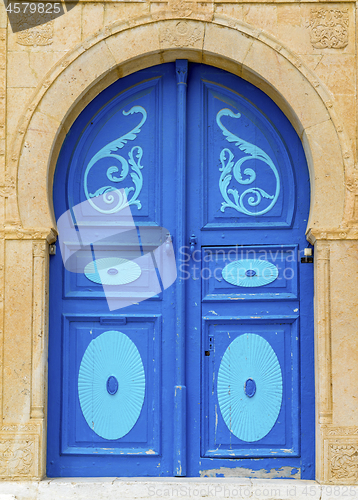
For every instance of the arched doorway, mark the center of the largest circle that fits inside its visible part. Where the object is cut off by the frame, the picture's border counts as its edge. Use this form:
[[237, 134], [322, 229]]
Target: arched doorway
[[223, 359]]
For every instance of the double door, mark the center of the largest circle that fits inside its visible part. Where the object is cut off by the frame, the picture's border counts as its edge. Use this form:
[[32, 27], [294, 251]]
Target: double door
[[184, 347]]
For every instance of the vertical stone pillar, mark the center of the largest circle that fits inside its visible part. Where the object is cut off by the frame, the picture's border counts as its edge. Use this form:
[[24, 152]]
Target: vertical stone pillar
[[39, 329], [336, 354], [39, 346], [323, 347], [24, 355]]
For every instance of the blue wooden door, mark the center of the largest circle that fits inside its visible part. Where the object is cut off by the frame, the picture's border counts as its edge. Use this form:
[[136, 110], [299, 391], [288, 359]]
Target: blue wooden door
[[252, 362], [214, 372]]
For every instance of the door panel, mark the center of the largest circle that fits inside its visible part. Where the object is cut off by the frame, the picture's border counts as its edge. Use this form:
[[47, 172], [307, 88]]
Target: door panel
[[81, 322], [259, 259], [247, 171], [247, 393], [264, 350], [268, 340], [242, 150], [141, 434], [79, 285], [121, 146]]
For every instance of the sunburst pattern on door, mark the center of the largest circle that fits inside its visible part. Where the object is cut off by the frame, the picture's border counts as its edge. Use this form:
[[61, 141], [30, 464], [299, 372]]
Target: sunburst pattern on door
[[111, 385], [250, 387]]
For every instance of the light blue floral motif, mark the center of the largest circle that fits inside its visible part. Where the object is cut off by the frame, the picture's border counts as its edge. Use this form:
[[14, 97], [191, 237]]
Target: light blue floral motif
[[111, 195], [232, 197]]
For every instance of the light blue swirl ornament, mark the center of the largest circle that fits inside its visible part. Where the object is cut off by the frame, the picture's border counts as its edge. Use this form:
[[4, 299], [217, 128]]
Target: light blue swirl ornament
[[111, 385], [249, 387], [111, 195], [112, 271], [250, 272], [251, 197]]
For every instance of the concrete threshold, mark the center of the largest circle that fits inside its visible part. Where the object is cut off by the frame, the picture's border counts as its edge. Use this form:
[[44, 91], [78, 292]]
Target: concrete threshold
[[173, 488]]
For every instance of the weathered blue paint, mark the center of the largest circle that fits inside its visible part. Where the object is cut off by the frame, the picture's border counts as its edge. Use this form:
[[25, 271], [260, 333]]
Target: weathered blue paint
[[276, 311], [180, 437], [182, 334], [249, 358], [180, 430]]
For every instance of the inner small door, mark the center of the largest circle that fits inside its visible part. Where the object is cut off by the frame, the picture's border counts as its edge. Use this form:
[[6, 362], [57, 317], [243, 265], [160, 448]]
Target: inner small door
[[201, 370]]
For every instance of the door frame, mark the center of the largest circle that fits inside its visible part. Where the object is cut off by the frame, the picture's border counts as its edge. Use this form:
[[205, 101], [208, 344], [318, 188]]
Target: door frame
[[102, 68]]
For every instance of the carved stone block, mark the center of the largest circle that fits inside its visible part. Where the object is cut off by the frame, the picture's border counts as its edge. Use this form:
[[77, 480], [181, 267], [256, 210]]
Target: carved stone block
[[341, 454], [35, 35], [329, 28], [17, 457], [181, 34], [343, 460]]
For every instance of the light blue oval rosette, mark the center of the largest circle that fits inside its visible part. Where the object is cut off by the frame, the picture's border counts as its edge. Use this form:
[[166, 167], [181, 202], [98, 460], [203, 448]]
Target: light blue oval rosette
[[111, 385]]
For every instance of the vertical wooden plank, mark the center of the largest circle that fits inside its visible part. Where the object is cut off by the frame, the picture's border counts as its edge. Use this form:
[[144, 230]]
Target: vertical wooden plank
[[179, 468]]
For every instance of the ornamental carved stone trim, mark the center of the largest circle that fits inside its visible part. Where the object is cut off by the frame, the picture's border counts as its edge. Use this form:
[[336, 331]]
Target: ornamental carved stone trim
[[181, 7], [346, 233], [34, 35], [340, 449], [17, 457], [182, 34], [21, 428], [340, 431], [8, 188], [39, 249], [16, 232], [343, 462], [329, 28]]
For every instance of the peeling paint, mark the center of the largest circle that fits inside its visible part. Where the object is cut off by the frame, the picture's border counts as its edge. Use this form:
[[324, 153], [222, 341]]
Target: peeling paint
[[283, 472], [150, 452]]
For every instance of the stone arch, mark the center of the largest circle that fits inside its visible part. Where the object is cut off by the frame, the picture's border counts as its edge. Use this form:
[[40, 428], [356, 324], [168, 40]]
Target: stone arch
[[125, 47]]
